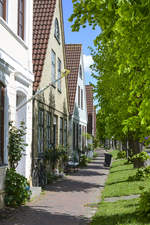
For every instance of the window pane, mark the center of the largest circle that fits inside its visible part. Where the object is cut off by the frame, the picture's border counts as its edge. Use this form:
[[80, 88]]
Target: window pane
[[20, 5], [1, 9], [40, 130], [48, 130], [21, 18], [61, 131], [57, 33], [80, 72], [61, 123], [53, 63], [59, 74], [1, 122], [79, 96], [65, 132]]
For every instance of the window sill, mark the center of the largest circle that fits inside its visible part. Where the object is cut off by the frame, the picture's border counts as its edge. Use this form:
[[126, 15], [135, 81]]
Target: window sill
[[3, 166]]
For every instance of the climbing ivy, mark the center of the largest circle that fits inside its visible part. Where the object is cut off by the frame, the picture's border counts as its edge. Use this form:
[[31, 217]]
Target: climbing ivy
[[16, 143]]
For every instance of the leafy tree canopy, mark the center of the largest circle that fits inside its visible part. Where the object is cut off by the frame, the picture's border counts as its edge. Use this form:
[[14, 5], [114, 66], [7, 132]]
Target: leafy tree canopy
[[121, 62]]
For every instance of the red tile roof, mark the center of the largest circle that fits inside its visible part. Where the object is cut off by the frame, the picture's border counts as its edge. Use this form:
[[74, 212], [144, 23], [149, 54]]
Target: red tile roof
[[43, 12], [91, 110], [73, 53], [89, 99]]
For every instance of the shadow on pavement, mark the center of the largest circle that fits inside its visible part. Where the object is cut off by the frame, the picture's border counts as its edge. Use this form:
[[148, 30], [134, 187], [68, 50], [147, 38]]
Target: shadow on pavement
[[38, 216], [85, 172], [72, 186]]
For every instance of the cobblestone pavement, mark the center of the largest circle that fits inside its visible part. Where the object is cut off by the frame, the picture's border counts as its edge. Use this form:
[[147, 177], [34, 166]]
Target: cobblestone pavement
[[71, 201]]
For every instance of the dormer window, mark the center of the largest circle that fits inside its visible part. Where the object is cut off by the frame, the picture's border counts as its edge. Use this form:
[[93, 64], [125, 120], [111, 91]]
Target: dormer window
[[57, 32], [80, 72], [3, 9]]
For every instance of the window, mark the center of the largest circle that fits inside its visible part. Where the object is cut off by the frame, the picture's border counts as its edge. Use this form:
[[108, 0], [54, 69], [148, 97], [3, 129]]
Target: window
[[40, 130], [48, 130], [1, 124], [55, 130], [61, 132], [53, 59], [83, 137], [80, 137], [77, 136], [79, 96], [80, 72], [74, 135], [57, 32], [90, 122], [65, 132], [3, 9], [21, 18], [59, 74]]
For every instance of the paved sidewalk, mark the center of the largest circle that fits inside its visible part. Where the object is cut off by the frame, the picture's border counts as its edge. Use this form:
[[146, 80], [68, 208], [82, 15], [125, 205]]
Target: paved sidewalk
[[68, 201]]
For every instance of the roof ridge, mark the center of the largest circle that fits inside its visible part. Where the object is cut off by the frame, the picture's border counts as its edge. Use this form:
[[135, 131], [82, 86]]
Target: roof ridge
[[73, 44]]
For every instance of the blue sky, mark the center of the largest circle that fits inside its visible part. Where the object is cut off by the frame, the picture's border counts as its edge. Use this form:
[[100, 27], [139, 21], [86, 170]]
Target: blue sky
[[85, 36]]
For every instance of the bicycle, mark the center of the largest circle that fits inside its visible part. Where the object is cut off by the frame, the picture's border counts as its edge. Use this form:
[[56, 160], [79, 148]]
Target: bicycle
[[39, 176]]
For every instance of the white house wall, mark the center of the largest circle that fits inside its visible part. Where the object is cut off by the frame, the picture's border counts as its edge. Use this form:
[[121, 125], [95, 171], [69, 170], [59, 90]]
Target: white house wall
[[16, 73], [81, 114]]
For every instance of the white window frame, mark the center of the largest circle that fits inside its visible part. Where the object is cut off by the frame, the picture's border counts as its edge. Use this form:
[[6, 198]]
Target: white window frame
[[59, 74], [53, 66]]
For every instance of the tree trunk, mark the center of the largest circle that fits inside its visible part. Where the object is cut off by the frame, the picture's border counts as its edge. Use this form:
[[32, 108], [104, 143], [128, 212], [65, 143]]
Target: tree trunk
[[134, 148]]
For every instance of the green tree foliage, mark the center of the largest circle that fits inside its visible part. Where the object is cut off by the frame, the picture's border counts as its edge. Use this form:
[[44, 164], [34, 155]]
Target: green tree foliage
[[121, 63]]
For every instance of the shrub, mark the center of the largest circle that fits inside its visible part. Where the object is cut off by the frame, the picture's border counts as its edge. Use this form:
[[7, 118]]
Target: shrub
[[139, 159], [142, 156], [121, 155], [144, 203], [95, 154], [16, 188], [95, 142], [83, 161], [141, 174], [53, 156], [51, 177]]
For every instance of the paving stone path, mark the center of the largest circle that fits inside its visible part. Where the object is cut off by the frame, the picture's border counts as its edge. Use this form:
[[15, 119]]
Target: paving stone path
[[115, 199], [71, 201]]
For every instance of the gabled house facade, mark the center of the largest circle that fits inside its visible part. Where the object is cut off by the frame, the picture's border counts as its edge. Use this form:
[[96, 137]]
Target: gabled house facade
[[16, 79], [77, 97], [50, 108], [91, 127]]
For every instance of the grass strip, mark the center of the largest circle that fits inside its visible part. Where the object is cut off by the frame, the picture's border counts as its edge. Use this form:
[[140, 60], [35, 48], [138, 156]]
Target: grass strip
[[117, 183], [123, 212]]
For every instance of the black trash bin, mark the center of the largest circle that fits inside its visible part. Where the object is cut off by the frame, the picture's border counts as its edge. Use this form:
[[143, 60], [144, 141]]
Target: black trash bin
[[107, 159]]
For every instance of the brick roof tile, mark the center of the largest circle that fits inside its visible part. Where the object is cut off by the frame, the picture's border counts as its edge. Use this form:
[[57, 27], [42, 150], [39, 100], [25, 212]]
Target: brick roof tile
[[73, 53], [89, 99], [43, 12]]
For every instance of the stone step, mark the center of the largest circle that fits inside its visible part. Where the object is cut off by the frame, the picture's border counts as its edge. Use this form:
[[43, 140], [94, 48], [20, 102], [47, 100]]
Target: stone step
[[36, 191]]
